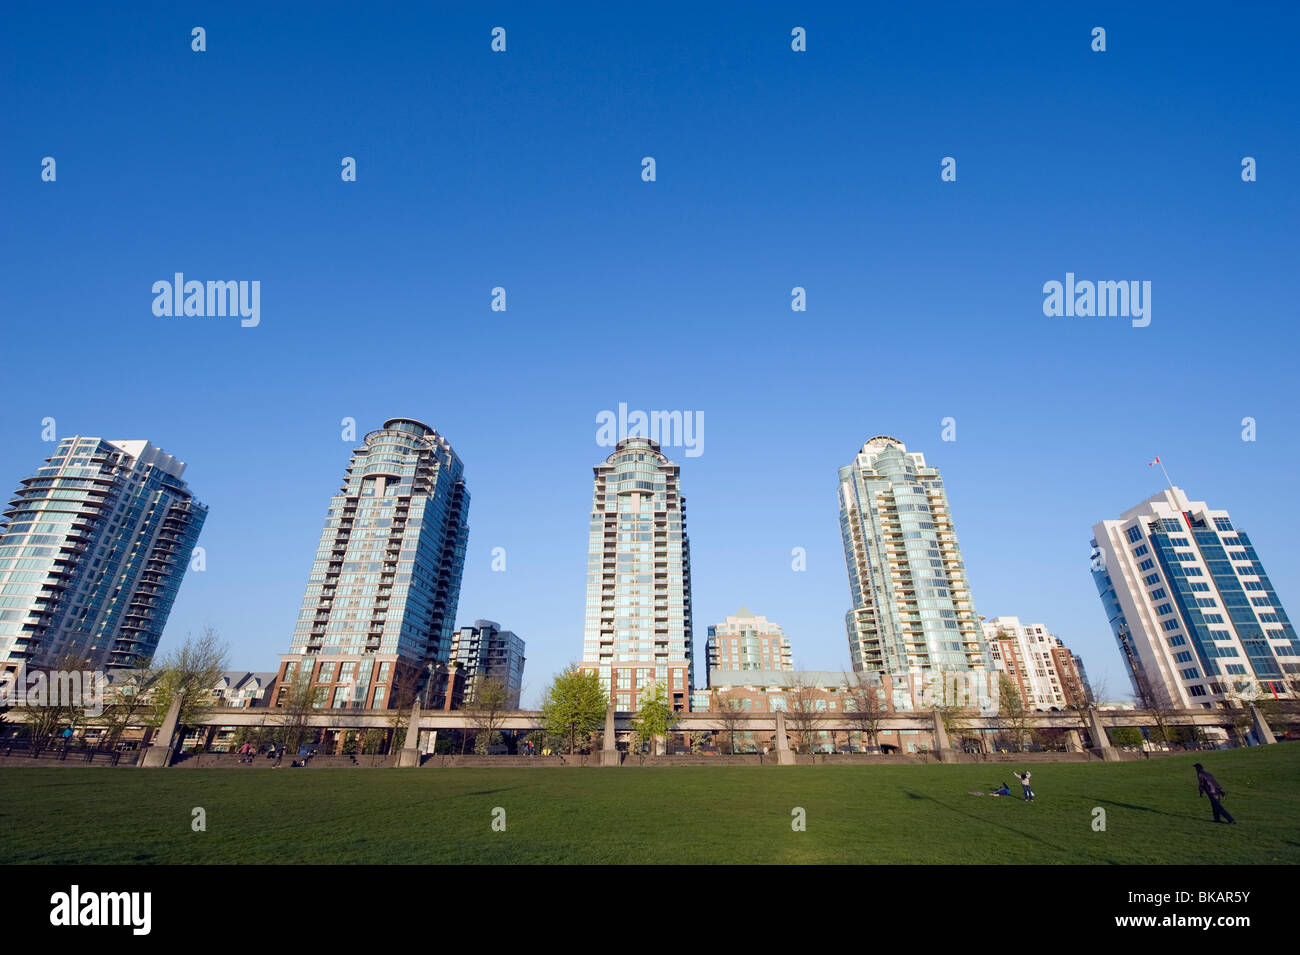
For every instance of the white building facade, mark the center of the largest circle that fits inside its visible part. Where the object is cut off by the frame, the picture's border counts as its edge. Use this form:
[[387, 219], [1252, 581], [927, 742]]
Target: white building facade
[[1190, 604]]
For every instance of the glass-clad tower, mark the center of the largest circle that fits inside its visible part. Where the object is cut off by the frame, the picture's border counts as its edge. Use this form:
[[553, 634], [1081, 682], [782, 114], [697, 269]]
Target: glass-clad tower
[[379, 612], [638, 629], [1190, 605], [92, 552], [912, 609]]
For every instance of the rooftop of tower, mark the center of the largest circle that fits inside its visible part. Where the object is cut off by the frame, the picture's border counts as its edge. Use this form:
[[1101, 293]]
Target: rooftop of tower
[[415, 426], [884, 441]]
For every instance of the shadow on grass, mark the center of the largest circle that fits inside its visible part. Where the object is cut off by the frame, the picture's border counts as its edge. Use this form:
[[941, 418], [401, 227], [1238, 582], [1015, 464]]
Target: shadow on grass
[[489, 792], [985, 822], [1161, 812]]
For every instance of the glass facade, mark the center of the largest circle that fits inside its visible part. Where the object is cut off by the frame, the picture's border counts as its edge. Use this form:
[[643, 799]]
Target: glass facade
[[386, 579], [92, 554], [638, 628], [1191, 605], [912, 610]]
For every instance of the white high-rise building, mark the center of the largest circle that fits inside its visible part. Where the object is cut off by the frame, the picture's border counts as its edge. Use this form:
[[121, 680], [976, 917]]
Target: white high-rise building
[[912, 609], [638, 629], [1190, 605]]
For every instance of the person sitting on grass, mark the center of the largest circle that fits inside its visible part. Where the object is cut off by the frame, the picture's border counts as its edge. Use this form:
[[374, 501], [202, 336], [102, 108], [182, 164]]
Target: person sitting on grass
[[1004, 791]]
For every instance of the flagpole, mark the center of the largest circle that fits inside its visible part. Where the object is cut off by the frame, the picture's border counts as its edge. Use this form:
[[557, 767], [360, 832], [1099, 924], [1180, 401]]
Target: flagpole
[[1166, 474]]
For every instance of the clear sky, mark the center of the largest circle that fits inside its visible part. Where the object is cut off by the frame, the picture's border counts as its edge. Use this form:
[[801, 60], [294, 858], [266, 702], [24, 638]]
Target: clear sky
[[775, 169]]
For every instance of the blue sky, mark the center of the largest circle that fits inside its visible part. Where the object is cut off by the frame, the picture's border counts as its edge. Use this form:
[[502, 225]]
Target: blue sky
[[775, 169]]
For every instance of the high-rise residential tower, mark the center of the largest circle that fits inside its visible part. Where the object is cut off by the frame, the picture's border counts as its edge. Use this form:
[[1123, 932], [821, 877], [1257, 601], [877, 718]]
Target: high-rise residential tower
[[638, 629], [377, 619], [1041, 667], [1196, 618], [92, 554], [485, 650], [912, 609], [745, 641]]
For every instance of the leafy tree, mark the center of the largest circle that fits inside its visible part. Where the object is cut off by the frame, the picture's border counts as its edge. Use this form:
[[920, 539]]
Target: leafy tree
[[574, 705], [1125, 736], [191, 673], [1013, 715], [488, 712], [655, 716]]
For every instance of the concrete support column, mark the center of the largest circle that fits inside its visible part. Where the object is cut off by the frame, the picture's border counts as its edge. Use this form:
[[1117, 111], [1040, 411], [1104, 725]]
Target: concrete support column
[[160, 751], [409, 754], [1099, 736], [783, 755], [942, 747], [1263, 732], [1073, 742], [609, 745]]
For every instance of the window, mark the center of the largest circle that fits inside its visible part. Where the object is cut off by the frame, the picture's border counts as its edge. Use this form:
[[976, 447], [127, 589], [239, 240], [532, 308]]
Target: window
[[1152, 579], [1165, 609], [1146, 565], [1191, 673], [1134, 534], [1222, 524]]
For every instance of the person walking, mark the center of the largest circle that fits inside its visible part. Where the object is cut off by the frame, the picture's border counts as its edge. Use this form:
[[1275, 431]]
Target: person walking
[[1024, 784], [1209, 786]]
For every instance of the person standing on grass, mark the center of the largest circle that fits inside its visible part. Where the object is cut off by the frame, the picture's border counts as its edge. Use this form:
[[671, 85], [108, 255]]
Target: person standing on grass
[[1024, 784], [1209, 786]]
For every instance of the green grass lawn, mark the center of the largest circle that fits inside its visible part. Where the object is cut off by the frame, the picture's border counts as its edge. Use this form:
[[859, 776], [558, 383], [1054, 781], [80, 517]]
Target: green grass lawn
[[855, 814]]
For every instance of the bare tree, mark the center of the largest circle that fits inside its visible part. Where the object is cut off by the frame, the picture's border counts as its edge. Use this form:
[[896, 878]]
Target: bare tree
[[864, 706], [128, 702], [806, 710], [731, 714], [1154, 698], [53, 701], [297, 704]]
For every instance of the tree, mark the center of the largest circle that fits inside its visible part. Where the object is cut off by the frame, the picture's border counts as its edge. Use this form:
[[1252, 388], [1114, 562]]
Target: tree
[[1154, 697], [731, 714], [56, 706], [950, 706], [574, 705], [399, 714], [1012, 712], [806, 710], [655, 716], [191, 673], [863, 705], [1125, 736], [488, 712], [132, 695], [297, 704]]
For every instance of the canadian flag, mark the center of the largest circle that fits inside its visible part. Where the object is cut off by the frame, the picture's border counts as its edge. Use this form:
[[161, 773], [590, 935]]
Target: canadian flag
[[1152, 464]]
